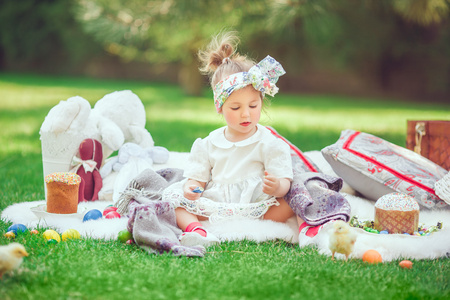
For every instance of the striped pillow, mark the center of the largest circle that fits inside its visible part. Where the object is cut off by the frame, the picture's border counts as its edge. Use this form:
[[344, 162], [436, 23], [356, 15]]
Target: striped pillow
[[375, 167]]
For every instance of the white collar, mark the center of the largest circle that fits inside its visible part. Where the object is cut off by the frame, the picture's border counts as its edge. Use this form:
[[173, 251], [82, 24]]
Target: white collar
[[217, 138]]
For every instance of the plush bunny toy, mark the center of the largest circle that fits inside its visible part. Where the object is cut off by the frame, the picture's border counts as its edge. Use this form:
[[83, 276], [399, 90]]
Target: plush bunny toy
[[127, 113], [87, 165], [130, 161], [117, 118]]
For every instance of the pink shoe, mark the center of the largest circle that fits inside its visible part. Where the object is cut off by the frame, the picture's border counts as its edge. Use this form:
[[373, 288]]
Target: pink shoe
[[308, 232]]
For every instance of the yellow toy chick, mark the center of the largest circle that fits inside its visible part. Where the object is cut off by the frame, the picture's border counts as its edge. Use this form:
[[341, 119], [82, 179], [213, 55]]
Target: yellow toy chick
[[342, 239], [11, 257]]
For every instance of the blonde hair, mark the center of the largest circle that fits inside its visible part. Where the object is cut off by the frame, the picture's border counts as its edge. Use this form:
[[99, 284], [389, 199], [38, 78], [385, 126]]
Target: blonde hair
[[220, 58]]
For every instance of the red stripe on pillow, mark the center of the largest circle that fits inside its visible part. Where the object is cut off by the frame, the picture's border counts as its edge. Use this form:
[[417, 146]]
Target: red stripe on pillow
[[346, 146], [295, 149]]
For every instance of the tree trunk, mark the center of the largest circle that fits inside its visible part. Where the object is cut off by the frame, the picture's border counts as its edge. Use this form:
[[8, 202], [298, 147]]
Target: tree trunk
[[190, 79]]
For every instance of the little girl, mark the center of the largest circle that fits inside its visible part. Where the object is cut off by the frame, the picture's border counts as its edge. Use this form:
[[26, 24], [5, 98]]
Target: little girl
[[241, 169]]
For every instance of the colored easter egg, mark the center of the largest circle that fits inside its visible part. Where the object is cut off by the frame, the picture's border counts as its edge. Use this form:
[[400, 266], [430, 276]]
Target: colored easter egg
[[384, 232], [406, 264], [112, 215], [10, 235], [372, 257], [34, 231], [17, 228], [70, 234], [124, 236], [109, 209], [93, 214], [50, 234], [130, 242]]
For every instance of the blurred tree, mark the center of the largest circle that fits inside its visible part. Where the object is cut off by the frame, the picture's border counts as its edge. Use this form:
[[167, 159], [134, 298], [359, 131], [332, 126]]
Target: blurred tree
[[160, 31], [372, 36], [42, 35], [398, 45], [392, 43], [405, 46], [423, 12]]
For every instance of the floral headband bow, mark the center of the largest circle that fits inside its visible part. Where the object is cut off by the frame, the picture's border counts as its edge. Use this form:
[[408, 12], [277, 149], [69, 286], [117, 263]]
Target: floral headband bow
[[263, 76]]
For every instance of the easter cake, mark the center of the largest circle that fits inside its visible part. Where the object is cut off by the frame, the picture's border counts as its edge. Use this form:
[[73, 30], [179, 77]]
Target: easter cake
[[396, 213], [62, 192]]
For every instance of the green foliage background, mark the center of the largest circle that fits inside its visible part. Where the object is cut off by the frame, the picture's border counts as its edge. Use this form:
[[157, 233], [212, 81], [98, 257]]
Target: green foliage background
[[43, 36], [386, 46]]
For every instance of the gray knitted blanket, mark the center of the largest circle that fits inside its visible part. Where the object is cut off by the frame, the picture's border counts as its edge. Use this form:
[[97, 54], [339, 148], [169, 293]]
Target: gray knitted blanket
[[152, 222], [314, 197]]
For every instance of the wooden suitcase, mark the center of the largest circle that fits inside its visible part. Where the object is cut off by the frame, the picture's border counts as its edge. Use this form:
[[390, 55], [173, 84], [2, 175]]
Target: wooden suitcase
[[430, 139]]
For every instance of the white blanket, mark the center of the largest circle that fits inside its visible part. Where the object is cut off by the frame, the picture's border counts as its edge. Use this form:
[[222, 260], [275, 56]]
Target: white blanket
[[393, 246]]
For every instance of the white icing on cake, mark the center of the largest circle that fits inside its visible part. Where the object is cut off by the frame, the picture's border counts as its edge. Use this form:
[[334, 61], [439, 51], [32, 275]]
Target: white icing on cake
[[397, 201]]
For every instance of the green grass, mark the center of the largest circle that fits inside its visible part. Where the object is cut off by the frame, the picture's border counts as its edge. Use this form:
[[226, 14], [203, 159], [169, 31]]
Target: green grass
[[96, 269]]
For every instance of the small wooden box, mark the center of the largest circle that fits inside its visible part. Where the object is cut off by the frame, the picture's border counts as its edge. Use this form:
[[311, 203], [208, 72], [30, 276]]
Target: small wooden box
[[430, 139]]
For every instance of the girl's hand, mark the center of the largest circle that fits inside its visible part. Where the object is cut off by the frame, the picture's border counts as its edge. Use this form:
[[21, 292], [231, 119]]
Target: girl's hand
[[270, 184], [274, 186], [189, 187]]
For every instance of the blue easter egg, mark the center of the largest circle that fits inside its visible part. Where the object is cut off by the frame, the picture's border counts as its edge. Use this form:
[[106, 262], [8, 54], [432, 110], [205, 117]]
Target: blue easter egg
[[198, 190], [384, 232], [93, 214], [17, 228]]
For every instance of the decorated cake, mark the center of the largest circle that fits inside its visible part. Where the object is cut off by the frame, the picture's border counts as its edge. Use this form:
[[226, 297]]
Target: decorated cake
[[396, 213], [62, 192]]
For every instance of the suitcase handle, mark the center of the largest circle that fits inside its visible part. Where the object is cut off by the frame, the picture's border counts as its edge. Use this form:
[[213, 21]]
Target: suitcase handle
[[420, 132]]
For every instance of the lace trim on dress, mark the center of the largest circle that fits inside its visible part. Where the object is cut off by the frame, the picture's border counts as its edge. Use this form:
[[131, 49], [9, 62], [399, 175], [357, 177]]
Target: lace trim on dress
[[218, 211]]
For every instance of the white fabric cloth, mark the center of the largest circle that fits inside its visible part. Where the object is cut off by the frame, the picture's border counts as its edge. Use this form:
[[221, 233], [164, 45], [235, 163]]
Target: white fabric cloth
[[233, 172]]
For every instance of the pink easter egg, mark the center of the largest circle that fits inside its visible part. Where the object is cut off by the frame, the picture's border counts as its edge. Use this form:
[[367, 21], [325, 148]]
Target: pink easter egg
[[112, 215], [109, 209]]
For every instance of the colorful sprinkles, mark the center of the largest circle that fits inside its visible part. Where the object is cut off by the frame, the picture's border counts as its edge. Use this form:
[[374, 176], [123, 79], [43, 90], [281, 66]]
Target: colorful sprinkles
[[368, 225], [397, 201], [64, 177]]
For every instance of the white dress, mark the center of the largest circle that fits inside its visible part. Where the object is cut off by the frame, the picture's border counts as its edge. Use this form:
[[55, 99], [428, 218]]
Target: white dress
[[233, 173]]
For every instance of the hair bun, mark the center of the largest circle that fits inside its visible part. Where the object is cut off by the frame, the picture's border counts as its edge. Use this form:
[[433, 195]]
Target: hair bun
[[222, 46], [220, 59], [227, 50]]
